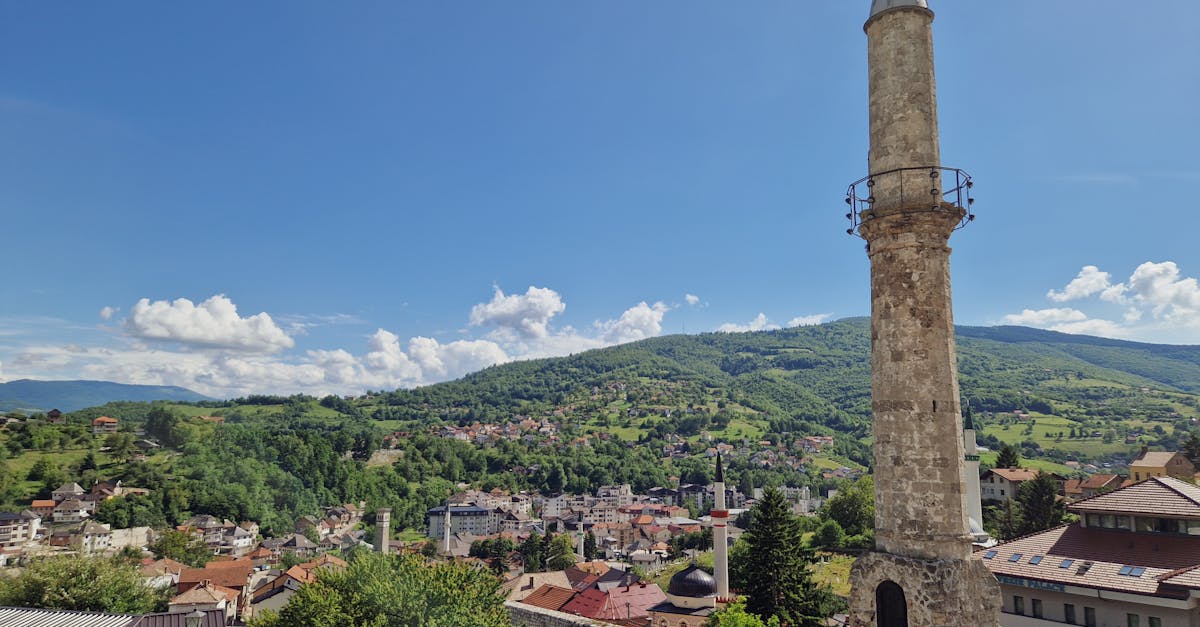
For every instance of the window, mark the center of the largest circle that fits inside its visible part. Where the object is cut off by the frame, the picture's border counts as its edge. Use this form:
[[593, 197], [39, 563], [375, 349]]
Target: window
[[1124, 570], [1035, 560], [1016, 557], [1002, 492], [1137, 571], [1037, 608], [1133, 620], [1018, 605], [1089, 616], [1155, 621], [1066, 563], [989, 555], [1068, 613]]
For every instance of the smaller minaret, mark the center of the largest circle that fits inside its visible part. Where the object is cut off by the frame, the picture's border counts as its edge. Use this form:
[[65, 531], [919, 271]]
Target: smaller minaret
[[446, 531], [971, 478], [383, 529], [720, 517], [582, 553]]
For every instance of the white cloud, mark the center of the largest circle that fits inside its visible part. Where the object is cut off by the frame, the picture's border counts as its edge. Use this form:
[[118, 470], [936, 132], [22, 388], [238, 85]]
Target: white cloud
[[1090, 280], [759, 323], [808, 321], [692, 299], [1158, 304], [526, 314], [215, 351], [636, 323], [1043, 317], [106, 313], [213, 323]]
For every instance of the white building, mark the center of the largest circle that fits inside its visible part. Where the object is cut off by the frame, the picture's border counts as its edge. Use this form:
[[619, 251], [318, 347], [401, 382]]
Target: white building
[[1133, 560]]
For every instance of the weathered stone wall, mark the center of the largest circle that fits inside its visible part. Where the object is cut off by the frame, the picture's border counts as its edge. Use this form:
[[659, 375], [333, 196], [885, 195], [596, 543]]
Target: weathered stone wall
[[920, 495], [903, 114], [522, 615], [939, 593]]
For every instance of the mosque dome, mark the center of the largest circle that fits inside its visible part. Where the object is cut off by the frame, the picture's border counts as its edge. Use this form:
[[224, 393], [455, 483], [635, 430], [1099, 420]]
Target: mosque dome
[[692, 582]]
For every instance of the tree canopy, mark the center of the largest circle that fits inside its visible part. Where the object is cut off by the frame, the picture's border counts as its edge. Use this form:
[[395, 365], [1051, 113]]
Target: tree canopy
[[394, 590], [89, 584]]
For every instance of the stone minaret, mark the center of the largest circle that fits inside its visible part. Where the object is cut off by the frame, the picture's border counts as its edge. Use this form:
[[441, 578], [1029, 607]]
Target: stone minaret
[[921, 572], [720, 518], [383, 529]]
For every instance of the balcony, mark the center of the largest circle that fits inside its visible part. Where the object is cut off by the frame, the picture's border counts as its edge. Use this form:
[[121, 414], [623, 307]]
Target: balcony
[[908, 190]]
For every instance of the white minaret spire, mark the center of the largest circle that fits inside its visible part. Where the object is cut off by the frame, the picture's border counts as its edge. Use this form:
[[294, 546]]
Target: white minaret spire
[[720, 517], [446, 531]]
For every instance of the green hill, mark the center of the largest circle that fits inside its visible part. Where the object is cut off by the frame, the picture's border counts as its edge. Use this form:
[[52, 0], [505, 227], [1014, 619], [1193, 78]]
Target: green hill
[[816, 380]]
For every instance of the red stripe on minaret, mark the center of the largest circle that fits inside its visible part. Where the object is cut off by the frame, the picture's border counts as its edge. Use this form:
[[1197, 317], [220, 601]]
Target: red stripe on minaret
[[720, 513]]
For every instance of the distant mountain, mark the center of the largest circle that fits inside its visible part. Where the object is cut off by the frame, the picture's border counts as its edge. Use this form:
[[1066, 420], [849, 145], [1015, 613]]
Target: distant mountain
[[31, 395]]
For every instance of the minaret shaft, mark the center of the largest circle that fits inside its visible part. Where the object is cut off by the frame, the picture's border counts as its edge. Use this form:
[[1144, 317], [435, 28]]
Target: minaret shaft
[[720, 529], [921, 573]]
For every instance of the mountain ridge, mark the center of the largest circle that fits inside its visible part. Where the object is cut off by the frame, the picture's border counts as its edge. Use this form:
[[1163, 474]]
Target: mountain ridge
[[76, 394]]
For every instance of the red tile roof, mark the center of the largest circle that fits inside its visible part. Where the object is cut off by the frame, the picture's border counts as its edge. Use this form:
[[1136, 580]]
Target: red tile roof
[[1108, 551], [1015, 474], [230, 577], [618, 602], [1099, 481], [549, 597], [1156, 496]]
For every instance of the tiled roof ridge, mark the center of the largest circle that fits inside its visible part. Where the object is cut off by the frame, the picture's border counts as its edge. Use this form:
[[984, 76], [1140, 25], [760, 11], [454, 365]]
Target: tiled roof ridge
[[1028, 535], [1177, 572], [1176, 489], [1100, 494]]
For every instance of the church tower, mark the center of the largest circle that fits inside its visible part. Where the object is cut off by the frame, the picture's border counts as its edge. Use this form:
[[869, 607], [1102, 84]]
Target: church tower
[[921, 573]]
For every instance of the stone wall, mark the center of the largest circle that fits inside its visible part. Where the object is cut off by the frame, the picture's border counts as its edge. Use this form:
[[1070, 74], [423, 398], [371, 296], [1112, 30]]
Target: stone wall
[[529, 616]]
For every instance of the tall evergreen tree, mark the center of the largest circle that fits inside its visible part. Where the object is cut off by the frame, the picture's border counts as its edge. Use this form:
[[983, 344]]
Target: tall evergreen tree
[[1008, 520], [1040, 505], [531, 550], [775, 573], [1008, 457]]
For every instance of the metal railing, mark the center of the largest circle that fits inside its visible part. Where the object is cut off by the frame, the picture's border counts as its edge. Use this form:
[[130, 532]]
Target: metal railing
[[945, 186]]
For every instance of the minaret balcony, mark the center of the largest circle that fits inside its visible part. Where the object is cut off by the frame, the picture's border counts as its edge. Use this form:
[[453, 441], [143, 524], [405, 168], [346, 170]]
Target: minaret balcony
[[910, 190]]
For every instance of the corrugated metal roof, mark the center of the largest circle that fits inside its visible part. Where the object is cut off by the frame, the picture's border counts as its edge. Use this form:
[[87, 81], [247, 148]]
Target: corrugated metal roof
[[26, 617]]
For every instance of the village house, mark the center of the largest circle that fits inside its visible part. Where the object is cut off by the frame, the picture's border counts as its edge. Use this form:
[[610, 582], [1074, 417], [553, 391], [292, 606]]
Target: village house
[[70, 511], [17, 528], [1162, 464], [1001, 484], [104, 425]]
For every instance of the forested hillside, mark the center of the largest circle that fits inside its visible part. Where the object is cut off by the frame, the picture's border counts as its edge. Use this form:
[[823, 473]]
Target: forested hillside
[[647, 413]]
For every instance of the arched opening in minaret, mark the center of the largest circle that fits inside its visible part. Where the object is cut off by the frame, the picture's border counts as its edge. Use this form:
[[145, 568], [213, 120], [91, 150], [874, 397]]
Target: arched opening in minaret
[[891, 610]]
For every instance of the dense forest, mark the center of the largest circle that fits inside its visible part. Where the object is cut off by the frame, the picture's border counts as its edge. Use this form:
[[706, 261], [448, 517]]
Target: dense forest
[[644, 413]]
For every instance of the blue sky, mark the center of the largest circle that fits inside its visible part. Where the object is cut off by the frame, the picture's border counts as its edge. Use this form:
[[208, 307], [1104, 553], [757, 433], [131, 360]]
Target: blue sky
[[319, 197]]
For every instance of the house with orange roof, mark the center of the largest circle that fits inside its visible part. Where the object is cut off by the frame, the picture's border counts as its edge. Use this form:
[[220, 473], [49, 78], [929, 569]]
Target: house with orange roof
[[207, 596], [104, 425], [549, 597], [1001, 484], [1132, 559]]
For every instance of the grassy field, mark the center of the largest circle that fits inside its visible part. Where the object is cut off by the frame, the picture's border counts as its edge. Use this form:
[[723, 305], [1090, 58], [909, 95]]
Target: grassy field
[[1045, 431], [834, 570], [1040, 464]]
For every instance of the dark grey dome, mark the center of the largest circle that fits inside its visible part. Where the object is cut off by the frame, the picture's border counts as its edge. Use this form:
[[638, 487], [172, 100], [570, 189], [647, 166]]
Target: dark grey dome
[[692, 582]]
